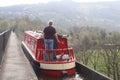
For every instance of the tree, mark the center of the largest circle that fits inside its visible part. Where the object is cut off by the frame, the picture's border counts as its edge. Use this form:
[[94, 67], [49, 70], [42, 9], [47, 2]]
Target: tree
[[112, 58]]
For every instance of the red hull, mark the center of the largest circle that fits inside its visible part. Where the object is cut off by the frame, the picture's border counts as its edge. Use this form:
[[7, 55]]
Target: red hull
[[58, 73]]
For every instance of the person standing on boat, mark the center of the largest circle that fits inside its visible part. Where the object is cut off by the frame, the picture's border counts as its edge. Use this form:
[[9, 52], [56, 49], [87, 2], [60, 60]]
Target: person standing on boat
[[49, 35]]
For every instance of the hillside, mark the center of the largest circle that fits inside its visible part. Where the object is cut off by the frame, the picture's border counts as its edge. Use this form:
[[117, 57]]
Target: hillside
[[67, 14]]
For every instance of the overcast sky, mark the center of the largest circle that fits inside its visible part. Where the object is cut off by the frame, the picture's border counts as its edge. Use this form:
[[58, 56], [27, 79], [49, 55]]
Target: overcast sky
[[16, 2]]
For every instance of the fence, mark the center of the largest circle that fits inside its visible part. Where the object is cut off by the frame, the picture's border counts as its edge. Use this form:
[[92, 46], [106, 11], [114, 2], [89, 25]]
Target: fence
[[89, 73], [4, 36]]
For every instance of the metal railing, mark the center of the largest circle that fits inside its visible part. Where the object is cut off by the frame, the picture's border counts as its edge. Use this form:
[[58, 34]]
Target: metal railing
[[60, 55], [4, 36], [90, 73]]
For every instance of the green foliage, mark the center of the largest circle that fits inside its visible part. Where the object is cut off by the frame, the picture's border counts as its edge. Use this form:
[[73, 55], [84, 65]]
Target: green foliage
[[98, 49], [5, 24], [25, 23]]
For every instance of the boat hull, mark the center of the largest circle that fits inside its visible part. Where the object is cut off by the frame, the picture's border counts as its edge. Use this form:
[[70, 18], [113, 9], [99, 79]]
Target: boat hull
[[58, 73], [47, 72]]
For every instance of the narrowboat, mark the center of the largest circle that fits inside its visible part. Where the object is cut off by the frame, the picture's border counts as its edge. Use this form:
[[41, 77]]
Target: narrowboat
[[63, 62]]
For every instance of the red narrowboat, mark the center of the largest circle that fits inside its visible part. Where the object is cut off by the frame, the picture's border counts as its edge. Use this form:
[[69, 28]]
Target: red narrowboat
[[64, 60]]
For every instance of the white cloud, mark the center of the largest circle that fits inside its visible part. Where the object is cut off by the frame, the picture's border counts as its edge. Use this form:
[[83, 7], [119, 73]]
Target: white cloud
[[16, 2], [93, 0]]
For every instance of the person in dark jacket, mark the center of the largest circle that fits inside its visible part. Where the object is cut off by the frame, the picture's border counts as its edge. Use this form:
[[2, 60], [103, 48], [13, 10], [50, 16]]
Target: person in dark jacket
[[50, 35]]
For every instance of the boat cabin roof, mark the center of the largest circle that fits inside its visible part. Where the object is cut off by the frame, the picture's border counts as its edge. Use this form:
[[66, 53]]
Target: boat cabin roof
[[35, 34], [39, 34]]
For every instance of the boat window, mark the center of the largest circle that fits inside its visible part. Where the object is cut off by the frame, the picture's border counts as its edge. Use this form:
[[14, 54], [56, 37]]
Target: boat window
[[28, 40], [33, 44]]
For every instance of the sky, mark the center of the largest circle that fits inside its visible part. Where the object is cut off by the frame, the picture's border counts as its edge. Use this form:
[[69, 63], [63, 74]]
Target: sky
[[4, 3]]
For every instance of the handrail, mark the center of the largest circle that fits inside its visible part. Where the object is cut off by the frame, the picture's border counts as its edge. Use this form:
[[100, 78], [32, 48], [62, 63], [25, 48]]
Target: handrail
[[60, 55], [4, 32], [4, 36]]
